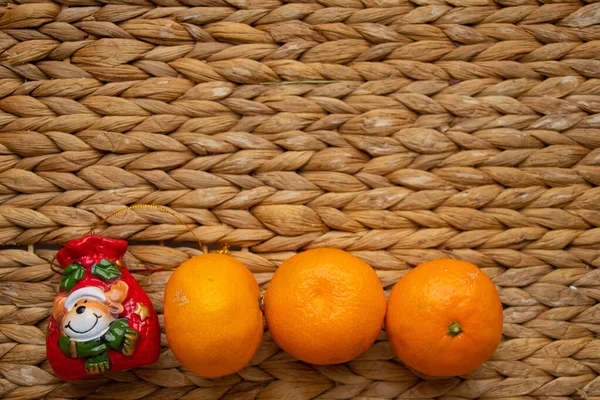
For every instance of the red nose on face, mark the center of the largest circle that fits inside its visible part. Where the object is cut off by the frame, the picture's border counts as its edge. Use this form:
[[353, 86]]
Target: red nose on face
[[80, 310]]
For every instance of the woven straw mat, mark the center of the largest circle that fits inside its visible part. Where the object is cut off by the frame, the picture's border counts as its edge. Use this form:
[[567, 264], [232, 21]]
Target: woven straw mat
[[399, 130]]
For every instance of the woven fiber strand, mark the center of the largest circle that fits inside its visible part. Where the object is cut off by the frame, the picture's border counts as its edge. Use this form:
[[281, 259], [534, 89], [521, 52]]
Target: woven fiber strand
[[460, 128]]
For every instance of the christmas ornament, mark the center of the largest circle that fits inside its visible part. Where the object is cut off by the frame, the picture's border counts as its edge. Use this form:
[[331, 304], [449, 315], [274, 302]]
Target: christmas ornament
[[101, 318]]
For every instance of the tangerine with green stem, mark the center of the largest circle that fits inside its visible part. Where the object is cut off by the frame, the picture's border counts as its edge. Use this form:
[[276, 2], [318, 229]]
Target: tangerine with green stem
[[444, 318]]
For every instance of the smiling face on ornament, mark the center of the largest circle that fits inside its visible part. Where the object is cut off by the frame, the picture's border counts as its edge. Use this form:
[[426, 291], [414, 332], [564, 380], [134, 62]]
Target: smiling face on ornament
[[87, 320], [87, 313]]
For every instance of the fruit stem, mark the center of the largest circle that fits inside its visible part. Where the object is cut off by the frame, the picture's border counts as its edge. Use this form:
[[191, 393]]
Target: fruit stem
[[454, 329]]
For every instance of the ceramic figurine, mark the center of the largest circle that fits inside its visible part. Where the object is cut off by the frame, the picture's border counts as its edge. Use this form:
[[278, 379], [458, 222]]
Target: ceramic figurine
[[101, 318]]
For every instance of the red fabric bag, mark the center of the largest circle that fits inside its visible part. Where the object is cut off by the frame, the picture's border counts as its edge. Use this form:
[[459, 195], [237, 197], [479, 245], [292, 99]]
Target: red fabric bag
[[101, 318]]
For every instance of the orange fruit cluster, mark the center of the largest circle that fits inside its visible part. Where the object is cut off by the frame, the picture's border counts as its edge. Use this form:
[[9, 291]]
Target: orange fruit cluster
[[326, 306]]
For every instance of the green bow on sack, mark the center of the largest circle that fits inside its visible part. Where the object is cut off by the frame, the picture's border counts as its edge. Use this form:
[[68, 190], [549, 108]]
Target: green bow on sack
[[73, 273]]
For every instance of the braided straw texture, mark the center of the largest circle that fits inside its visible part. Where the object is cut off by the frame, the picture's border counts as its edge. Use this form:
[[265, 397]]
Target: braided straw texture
[[445, 128]]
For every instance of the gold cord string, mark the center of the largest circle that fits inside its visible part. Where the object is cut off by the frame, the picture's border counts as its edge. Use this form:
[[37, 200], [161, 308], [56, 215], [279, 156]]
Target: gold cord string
[[157, 207], [59, 271]]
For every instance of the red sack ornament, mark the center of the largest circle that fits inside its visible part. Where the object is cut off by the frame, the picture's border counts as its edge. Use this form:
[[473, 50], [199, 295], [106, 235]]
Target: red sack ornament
[[101, 318]]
